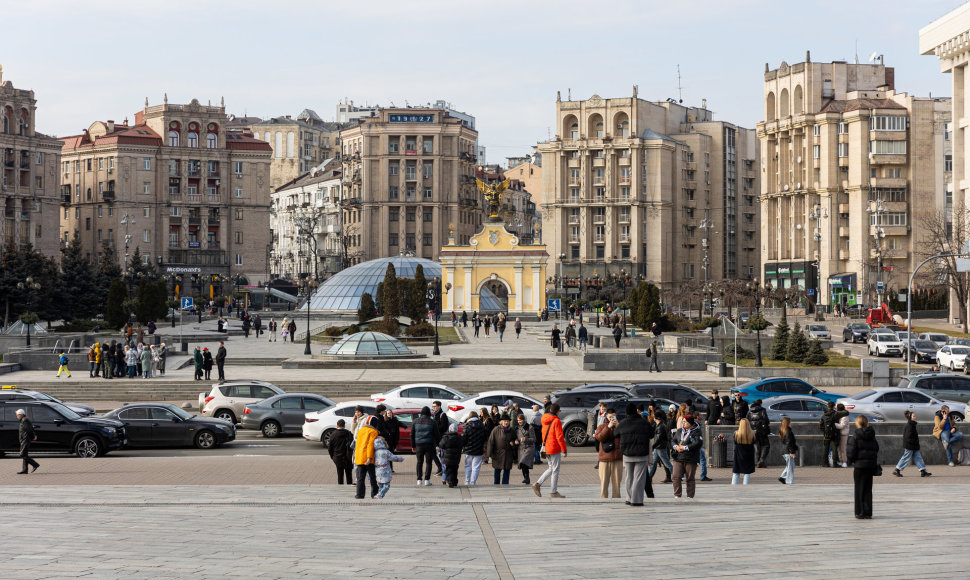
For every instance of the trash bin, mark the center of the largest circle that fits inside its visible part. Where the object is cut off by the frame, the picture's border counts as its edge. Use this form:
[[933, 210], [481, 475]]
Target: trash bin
[[722, 369], [185, 346], [633, 333], [718, 456]]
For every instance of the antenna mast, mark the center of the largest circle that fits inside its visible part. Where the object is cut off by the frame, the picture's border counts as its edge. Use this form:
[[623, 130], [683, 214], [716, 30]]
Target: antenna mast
[[680, 89]]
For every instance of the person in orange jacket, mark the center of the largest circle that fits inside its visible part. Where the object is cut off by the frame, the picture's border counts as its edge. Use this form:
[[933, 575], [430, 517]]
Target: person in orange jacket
[[554, 443], [364, 456]]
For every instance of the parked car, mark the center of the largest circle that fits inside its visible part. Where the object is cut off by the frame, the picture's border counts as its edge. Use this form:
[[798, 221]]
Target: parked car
[[952, 357], [675, 392], [946, 386], [856, 332], [818, 331], [282, 414], [620, 406], [743, 319], [905, 335], [892, 328], [857, 310], [764, 388], [320, 425], [959, 341], [938, 337], [889, 403], [920, 351], [165, 425], [227, 401], [801, 408], [406, 418], [574, 406], [417, 395], [12, 393], [60, 429], [458, 410], [597, 386], [885, 344]]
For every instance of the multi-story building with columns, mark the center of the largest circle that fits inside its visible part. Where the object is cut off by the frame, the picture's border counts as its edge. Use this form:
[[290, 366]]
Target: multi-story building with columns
[[191, 196], [409, 183], [299, 144], [29, 188], [852, 172], [651, 191]]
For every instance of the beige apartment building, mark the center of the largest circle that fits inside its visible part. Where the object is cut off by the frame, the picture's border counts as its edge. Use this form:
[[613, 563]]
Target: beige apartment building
[[649, 191], [409, 183], [191, 196], [852, 170], [530, 174], [298, 144], [29, 189]]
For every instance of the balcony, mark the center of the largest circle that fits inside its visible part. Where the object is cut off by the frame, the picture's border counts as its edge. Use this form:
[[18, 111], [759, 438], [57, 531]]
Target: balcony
[[214, 173], [599, 238], [844, 208], [844, 232], [624, 218], [573, 220], [108, 196], [889, 182], [599, 220], [65, 199], [573, 239], [408, 176], [573, 162], [625, 238], [195, 221]]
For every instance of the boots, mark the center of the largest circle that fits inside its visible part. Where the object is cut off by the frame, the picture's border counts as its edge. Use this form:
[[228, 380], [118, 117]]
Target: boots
[[924, 473], [898, 473]]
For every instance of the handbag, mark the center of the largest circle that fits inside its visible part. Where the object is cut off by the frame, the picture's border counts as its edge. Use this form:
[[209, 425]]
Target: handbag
[[608, 446], [542, 450]]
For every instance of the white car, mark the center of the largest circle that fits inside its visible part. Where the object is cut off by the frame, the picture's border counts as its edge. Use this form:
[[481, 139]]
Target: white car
[[320, 425], [938, 337], [889, 403], [819, 331], [952, 356], [885, 344], [905, 335], [417, 395], [458, 410]]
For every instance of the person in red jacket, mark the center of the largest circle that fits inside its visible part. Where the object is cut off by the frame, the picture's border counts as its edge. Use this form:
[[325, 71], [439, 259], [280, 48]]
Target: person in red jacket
[[555, 444]]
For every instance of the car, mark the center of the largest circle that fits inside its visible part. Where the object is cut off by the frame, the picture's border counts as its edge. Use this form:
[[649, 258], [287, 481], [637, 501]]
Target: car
[[13, 393], [857, 310], [406, 418], [227, 401], [885, 344], [165, 425], [282, 414], [952, 357], [818, 331], [905, 335], [574, 406], [919, 351], [417, 395], [60, 429], [892, 328], [946, 386], [320, 425], [801, 408], [458, 410], [675, 392], [856, 332], [598, 385], [938, 337], [766, 387], [620, 405], [889, 403], [743, 319], [960, 341]]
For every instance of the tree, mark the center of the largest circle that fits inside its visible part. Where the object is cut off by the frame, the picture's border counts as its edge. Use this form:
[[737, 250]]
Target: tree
[[390, 294], [711, 323], [138, 265], [367, 308], [78, 284], [949, 236], [816, 355], [417, 292], [779, 347], [647, 303], [108, 268], [797, 345], [115, 314]]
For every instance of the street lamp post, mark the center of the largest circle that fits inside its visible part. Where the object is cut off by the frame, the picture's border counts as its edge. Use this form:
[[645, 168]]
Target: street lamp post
[[177, 283], [433, 303], [818, 213], [909, 301], [562, 283], [28, 286], [875, 210], [759, 291], [309, 285]]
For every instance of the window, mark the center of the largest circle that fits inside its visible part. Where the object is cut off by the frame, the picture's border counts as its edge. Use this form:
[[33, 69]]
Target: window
[[688, 271], [175, 211], [238, 213], [89, 164], [173, 139], [948, 162], [99, 236], [193, 139], [816, 129], [427, 214], [100, 208], [239, 262], [211, 141], [392, 240], [427, 193], [392, 192], [193, 189], [427, 144], [144, 235], [888, 218], [574, 252], [393, 214], [38, 182], [894, 172], [239, 191], [843, 128], [238, 167], [393, 168], [392, 147], [888, 123], [146, 212], [100, 163], [410, 241], [843, 150], [38, 158], [427, 239], [87, 223], [882, 147], [427, 169], [816, 151], [146, 163], [411, 214], [239, 237]]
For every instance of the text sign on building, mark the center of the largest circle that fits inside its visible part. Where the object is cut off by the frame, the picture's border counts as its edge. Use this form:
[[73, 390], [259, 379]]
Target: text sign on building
[[195, 244], [410, 118]]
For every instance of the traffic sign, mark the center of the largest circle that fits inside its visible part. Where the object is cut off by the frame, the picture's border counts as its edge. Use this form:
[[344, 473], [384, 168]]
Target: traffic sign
[[186, 303], [880, 286], [811, 292], [554, 305]]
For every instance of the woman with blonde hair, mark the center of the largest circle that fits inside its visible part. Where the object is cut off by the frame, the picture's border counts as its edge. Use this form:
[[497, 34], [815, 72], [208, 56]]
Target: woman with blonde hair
[[790, 447], [743, 453]]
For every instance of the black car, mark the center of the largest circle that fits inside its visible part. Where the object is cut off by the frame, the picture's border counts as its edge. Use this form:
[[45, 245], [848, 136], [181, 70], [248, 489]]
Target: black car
[[920, 351], [60, 429], [675, 392], [164, 425], [12, 393], [856, 332], [620, 405]]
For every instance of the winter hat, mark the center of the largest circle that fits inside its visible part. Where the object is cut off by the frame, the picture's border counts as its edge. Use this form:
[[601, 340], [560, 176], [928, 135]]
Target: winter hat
[[20, 412], [453, 428], [504, 417]]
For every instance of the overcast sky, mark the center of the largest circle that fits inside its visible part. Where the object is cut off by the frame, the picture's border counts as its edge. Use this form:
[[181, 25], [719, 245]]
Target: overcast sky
[[499, 60]]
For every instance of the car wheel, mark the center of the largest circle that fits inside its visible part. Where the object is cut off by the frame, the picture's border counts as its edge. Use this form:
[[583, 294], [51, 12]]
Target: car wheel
[[205, 439], [576, 435], [325, 438], [271, 429], [225, 415], [87, 447], [957, 416], [952, 366]]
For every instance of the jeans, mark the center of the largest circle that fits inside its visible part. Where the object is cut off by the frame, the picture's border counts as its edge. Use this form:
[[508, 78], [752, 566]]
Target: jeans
[[365, 472], [736, 476], [473, 464], [382, 490], [424, 453], [789, 473], [503, 475], [911, 455], [131, 371], [501, 335], [552, 471], [948, 438], [703, 464], [582, 343], [661, 456]]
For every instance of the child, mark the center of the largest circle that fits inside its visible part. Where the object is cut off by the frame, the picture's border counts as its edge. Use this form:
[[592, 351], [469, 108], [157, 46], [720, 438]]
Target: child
[[339, 449], [382, 459]]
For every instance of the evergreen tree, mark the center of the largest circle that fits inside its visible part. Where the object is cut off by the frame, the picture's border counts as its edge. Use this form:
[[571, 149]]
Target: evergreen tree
[[391, 298], [137, 265], [78, 289], [816, 356], [418, 291], [379, 304], [108, 269], [797, 345], [649, 307], [635, 304], [366, 310], [144, 298], [115, 314], [779, 347]]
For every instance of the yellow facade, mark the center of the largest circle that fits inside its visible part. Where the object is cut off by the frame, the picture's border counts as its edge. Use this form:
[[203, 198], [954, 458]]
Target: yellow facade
[[494, 257]]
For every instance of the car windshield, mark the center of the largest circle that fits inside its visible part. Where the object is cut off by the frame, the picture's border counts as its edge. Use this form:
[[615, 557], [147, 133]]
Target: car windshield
[[925, 344], [937, 337], [858, 326], [959, 349], [65, 411], [864, 395], [817, 328], [182, 414]]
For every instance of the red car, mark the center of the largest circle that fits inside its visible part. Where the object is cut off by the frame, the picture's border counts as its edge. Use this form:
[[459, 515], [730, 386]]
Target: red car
[[406, 417]]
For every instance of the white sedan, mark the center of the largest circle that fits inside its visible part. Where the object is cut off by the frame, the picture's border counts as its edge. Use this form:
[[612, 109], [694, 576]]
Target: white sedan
[[417, 395], [458, 410], [320, 425], [952, 356], [889, 403]]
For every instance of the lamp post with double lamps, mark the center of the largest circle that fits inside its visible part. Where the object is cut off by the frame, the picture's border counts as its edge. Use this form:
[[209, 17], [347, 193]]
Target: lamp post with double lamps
[[309, 286], [818, 213], [755, 289], [875, 210], [28, 286]]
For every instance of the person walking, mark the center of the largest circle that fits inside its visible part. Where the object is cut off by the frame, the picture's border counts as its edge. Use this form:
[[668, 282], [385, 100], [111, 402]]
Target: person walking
[[654, 357], [162, 355], [27, 437], [207, 363], [383, 457], [340, 452], [488, 325], [635, 433], [536, 424], [258, 326], [617, 334], [442, 422], [451, 446], [62, 362], [555, 337], [758, 417], [221, 361], [500, 450], [518, 328], [454, 318], [609, 455], [789, 449], [476, 324], [554, 442], [272, 330], [364, 456], [570, 335], [828, 425], [740, 407], [863, 454], [525, 446], [473, 439], [843, 423], [246, 325], [686, 443], [464, 319], [501, 327], [424, 438], [743, 454], [583, 336], [291, 331], [197, 362], [661, 447], [911, 448]]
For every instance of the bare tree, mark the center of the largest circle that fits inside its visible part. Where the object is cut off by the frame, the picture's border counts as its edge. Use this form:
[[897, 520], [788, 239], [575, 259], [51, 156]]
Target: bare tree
[[944, 235]]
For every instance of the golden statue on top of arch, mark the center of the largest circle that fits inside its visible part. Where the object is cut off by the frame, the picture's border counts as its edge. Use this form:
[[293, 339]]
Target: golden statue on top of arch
[[493, 196]]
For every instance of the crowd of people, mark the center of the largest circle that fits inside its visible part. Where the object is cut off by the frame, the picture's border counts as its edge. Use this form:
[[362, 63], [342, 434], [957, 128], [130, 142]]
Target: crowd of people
[[124, 359]]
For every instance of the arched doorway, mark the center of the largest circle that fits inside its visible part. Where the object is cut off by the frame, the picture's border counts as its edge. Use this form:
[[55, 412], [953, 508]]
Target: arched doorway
[[493, 295]]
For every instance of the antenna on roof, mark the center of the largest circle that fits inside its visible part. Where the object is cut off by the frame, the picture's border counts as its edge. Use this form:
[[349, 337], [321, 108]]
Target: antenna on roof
[[680, 89]]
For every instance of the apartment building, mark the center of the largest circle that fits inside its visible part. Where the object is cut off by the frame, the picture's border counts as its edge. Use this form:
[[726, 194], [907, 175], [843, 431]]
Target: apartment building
[[299, 144]]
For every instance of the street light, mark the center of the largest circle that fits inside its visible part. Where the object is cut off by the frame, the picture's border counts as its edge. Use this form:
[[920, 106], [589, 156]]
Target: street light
[[177, 286], [309, 286], [562, 283], [875, 210], [127, 220], [433, 303], [909, 303], [818, 213], [754, 287], [28, 286]]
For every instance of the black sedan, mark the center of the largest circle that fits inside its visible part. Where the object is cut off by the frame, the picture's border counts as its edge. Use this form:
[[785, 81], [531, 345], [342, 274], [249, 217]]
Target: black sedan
[[856, 332], [164, 425], [920, 351]]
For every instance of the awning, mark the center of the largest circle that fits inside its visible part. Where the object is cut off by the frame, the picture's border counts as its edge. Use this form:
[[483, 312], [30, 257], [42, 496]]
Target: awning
[[846, 281]]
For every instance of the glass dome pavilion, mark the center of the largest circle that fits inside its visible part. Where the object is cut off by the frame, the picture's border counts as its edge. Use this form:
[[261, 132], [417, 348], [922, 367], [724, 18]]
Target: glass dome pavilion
[[368, 344], [343, 290]]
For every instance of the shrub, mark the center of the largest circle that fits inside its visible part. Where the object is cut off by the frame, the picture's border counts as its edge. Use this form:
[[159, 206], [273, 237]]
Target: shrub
[[779, 348], [333, 331], [352, 329], [728, 353], [422, 328], [80, 325], [675, 322], [816, 355], [797, 345], [387, 325]]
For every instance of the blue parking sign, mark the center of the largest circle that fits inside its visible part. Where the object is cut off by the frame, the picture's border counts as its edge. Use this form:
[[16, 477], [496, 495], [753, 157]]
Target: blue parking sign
[[186, 303], [554, 305]]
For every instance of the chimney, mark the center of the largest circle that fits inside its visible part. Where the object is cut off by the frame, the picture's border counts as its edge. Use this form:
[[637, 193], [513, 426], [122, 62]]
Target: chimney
[[111, 126]]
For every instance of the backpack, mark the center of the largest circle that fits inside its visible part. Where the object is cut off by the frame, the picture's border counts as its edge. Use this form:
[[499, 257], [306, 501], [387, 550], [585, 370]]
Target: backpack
[[758, 422], [829, 429], [65, 361]]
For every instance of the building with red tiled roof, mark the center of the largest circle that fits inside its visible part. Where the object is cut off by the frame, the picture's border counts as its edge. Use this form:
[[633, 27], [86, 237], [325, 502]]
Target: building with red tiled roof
[[178, 185]]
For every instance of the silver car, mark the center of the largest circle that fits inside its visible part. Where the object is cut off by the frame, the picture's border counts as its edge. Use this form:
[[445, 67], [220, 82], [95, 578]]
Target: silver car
[[819, 331], [227, 401], [889, 403], [283, 414], [802, 408]]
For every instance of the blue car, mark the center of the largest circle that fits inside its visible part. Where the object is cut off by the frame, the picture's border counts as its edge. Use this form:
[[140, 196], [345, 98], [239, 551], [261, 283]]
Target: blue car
[[779, 386]]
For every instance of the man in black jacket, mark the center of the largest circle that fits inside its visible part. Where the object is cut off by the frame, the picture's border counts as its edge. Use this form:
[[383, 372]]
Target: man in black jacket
[[634, 433], [830, 436], [473, 438], [863, 454], [339, 449], [911, 448], [221, 361], [713, 408], [740, 408], [424, 438], [27, 436], [758, 417], [441, 420], [686, 446]]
